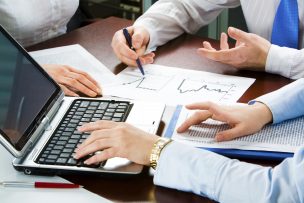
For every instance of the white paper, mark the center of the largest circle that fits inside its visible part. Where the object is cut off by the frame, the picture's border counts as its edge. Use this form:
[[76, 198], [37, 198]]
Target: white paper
[[77, 57], [178, 86], [283, 137], [32, 195]]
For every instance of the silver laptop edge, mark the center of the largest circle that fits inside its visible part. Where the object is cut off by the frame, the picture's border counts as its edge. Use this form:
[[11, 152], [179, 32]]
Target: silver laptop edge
[[26, 162]]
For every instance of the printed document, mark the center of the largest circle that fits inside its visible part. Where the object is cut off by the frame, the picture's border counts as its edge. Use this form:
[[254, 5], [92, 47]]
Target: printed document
[[173, 86], [283, 137], [164, 84]]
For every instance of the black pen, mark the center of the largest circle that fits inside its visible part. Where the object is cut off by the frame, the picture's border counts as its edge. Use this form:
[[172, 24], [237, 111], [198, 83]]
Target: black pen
[[129, 41]]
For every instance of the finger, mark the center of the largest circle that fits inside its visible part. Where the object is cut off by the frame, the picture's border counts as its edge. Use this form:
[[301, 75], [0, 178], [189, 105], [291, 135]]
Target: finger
[[120, 46], [68, 92], [88, 76], [239, 35], [224, 41], [74, 83], [83, 79], [225, 56], [219, 113], [239, 43], [96, 135], [128, 61], [104, 155], [195, 119], [125, 60], [97, 125], [98, 145], [237, 131], [208, 46], [199, 105], [223, 114], [126, 51], [146, 60]]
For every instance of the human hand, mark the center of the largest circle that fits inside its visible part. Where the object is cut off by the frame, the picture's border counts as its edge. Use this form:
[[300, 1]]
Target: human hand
[[115, 139], [72, 80], [140, 39], [250, 50], [243, 119]]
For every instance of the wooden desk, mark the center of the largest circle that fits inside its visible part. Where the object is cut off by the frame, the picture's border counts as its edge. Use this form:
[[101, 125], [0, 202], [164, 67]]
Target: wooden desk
[[181, 52]]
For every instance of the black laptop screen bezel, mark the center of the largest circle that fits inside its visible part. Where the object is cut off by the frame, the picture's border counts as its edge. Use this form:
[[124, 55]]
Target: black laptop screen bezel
[[31, 128]]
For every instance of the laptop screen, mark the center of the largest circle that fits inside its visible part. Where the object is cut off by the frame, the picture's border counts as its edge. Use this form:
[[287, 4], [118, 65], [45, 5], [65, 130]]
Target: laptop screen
[[25, 92]]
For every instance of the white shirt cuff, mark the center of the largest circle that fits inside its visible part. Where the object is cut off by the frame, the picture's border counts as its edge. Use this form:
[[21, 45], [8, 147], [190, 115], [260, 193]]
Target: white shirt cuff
[[280, 60], [150, 25]]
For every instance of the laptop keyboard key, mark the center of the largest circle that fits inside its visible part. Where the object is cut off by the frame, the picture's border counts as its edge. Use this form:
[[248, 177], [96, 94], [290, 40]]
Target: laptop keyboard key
[[60, 149]]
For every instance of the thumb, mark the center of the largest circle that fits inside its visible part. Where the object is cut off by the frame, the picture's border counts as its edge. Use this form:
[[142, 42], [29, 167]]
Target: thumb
[[140, 38], [239, 35]]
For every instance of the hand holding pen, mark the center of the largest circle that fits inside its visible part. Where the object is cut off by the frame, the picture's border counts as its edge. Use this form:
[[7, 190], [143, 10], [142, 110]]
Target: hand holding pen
[[129, 41], [139, 39]]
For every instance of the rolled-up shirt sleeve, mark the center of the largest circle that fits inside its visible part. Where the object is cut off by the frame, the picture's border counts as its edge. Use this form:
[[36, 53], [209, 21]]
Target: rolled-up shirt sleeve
[[222, 179]]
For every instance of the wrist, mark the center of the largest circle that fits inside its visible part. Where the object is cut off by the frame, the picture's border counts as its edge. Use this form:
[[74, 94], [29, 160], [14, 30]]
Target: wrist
[[263, 111], [158, 147]]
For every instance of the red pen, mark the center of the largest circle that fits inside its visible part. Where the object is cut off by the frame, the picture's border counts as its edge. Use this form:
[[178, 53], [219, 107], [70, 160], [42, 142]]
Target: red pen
[[39, 184]]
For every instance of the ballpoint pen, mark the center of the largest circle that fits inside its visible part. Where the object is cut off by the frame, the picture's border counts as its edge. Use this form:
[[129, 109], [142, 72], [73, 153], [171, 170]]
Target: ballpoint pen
[[39, 184], [129, 41]]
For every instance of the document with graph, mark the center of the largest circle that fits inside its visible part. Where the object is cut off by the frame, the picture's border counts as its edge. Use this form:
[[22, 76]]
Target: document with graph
[[178, 86], [284, 137]]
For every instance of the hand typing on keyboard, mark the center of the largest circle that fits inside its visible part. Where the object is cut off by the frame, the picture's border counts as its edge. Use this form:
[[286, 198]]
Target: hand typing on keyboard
[[115, 139]]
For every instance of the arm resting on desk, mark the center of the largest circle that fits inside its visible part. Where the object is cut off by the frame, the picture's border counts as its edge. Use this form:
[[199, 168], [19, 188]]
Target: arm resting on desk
[[226, 180]]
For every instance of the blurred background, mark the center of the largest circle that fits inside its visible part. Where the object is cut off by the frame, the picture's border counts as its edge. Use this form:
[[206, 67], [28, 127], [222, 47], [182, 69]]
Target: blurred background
[[132, 9]]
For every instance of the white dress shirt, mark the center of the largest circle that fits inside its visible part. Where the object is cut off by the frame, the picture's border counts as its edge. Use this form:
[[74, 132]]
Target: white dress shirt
[[208, 174], [167, 19], [34, 21]]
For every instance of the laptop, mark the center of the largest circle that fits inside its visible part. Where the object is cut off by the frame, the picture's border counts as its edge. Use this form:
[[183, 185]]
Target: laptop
[[38, 124]]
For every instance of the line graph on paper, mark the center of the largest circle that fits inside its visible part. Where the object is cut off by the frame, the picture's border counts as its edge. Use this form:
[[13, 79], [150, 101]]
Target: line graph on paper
[[150, 82], [208, 89], [177, 86]]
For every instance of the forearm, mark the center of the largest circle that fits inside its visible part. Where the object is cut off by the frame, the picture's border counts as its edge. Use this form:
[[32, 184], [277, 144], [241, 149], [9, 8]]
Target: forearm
[[287, 102], [167, 19], [285, 61], [208, 174]]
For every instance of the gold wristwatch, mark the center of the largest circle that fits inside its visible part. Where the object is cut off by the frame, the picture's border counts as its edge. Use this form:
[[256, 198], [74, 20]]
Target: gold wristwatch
[[156, 150]]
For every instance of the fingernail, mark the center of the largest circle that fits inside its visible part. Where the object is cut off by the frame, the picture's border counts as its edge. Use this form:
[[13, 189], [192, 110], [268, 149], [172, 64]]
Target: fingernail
[[100, 91], [76, 156], [86, 162]]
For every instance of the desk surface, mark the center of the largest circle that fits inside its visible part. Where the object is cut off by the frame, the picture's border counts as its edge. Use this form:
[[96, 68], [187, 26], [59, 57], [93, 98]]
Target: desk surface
[[181, 52]]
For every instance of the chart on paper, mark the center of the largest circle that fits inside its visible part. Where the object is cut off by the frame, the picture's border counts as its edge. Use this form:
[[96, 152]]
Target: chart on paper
[[150, 82], [179, 86]]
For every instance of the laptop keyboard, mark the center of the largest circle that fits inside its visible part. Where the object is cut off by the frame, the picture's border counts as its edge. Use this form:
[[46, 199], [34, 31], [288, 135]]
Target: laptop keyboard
[[60, 148]]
